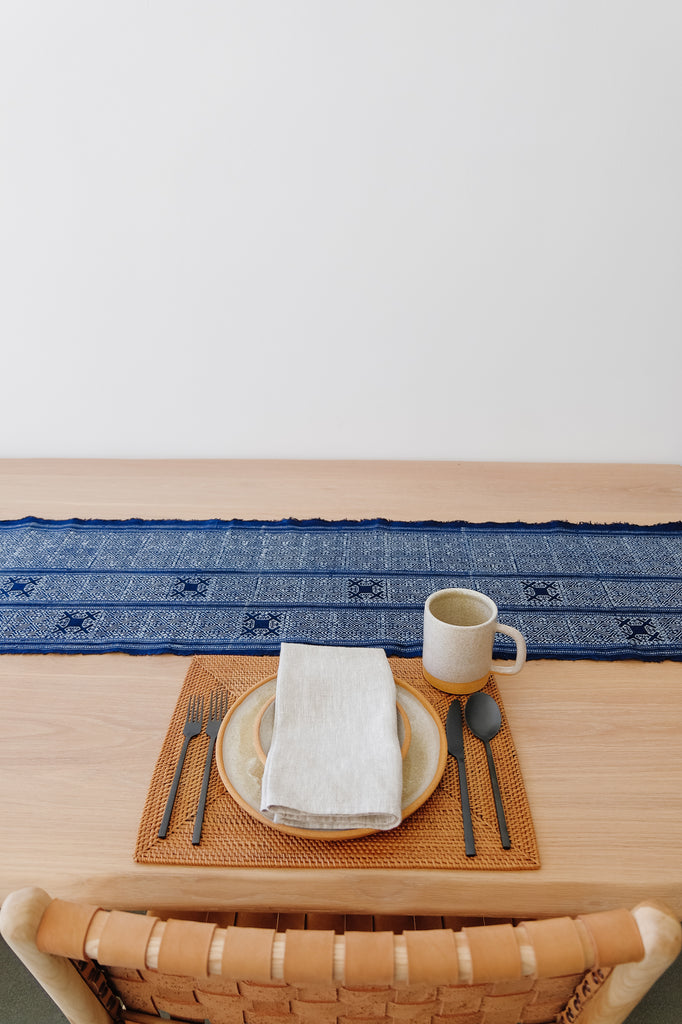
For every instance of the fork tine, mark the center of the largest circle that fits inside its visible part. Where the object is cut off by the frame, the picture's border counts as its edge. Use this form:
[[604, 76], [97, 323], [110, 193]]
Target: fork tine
[[217, 709], [216, 706], [218, 712]]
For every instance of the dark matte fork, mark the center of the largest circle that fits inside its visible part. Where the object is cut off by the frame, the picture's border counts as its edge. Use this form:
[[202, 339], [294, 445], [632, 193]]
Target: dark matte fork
[[217, 711], [192, 727]]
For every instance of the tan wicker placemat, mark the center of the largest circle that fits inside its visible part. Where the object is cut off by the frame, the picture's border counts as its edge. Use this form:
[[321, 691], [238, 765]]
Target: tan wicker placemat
[[430, 838]]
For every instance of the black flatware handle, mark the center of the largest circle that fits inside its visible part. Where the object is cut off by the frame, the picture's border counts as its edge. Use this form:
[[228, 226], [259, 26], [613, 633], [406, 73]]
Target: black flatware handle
[[499, 809], [469, 844], [454, 731], [165, 822], [198, 823]]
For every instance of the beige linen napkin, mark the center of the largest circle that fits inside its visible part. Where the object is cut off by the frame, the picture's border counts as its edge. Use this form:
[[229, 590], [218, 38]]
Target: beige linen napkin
[[334, 760]]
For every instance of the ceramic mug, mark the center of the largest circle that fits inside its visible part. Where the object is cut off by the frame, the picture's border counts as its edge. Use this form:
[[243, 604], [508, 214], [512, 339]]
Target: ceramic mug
[[459, 630]]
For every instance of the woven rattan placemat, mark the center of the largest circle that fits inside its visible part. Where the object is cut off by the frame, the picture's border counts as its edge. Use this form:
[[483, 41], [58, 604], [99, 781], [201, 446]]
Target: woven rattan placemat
[[430, 838]]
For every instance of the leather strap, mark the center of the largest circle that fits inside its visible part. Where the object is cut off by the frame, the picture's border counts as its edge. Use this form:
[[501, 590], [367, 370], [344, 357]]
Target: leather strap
[[495, 953], [432, 957], [184, 948], [369, 959], [124, 939], [615, 935], [64, 927], [557, 946], [247, 954], [309, 957]]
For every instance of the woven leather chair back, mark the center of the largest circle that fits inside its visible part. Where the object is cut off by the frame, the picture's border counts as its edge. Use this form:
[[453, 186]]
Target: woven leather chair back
[[267, 969], [197, 970]]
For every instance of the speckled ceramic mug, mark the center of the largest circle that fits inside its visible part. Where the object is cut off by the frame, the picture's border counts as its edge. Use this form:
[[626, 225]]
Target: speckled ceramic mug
[[459, 630]]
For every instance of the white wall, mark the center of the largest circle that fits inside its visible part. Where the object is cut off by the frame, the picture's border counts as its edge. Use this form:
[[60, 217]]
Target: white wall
[[341, 228]]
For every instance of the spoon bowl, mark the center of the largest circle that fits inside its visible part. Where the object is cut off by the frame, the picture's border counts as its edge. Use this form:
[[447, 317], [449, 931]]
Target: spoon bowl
[[484, 718]]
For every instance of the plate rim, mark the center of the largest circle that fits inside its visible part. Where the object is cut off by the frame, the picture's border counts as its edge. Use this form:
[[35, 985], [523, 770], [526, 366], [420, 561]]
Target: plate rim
[[331, 834]]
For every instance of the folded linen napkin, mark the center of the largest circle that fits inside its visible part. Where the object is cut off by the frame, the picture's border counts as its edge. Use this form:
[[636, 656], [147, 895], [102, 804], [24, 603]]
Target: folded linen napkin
[[334, 760]]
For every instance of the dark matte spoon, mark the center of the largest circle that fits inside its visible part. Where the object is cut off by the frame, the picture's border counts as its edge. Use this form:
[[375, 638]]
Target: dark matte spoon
[[484, 718]]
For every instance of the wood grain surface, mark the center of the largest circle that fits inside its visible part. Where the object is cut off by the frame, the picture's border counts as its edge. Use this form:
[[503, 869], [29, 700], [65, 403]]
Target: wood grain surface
[[599, 743]]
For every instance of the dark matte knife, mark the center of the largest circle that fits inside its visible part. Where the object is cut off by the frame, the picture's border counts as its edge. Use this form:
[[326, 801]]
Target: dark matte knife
[[455, 734]]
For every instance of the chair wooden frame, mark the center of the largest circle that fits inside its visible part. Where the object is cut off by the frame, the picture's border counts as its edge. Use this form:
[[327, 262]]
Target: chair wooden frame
[[599, 965]]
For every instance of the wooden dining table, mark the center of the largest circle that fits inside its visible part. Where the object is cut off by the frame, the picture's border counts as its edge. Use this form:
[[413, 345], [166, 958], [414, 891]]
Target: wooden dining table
[[599, 743]]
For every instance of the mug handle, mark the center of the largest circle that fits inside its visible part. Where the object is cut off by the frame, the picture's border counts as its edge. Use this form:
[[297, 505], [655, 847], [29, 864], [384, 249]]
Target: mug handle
[[510, 670]]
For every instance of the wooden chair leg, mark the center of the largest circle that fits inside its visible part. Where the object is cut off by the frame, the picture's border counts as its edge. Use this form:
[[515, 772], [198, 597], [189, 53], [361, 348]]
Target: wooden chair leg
[[19, 919], [627, 984]]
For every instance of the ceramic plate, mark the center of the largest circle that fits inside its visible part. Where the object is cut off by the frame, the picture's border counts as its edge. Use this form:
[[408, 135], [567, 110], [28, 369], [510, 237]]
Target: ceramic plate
[[241, 768]]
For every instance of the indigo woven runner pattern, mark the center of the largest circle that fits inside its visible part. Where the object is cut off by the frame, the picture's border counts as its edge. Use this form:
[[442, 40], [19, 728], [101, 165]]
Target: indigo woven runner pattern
[[242, 587]]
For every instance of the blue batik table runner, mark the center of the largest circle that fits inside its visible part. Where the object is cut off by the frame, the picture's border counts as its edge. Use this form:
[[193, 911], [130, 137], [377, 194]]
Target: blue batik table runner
[[242, 587]]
